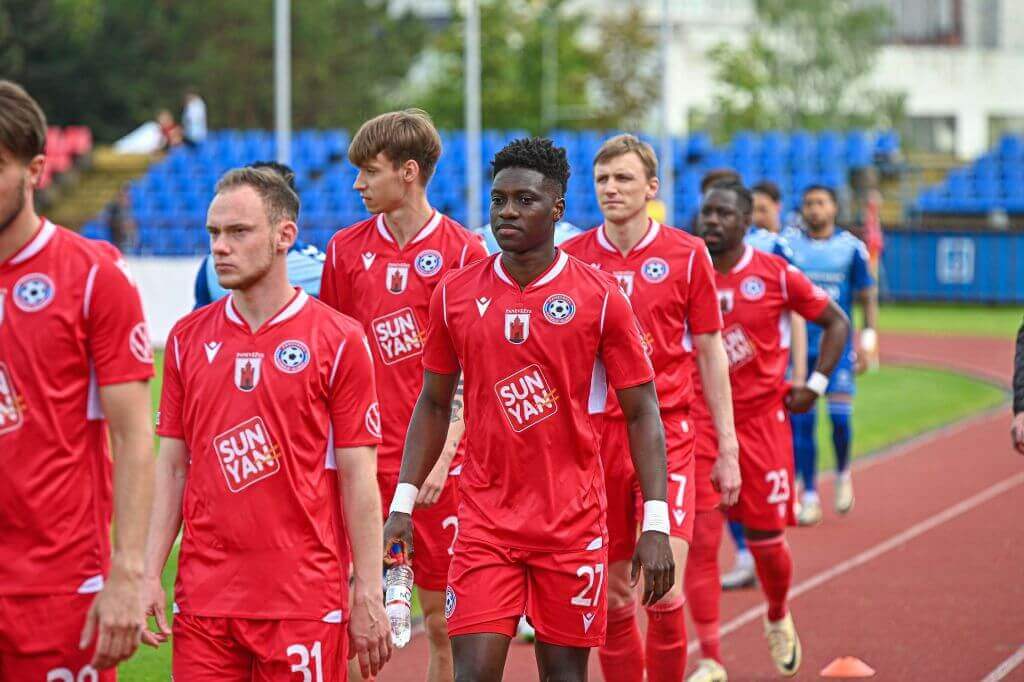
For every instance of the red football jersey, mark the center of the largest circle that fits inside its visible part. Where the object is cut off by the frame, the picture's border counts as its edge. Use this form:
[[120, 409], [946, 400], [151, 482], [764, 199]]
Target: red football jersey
[[387, 289], [534, 361], [261, 413], [670, 282], [70, 322], [755, 298]]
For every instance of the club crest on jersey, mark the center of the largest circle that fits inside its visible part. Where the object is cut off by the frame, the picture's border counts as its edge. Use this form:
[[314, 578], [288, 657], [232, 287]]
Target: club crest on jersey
[[726, 298], [449, 602], [397, 277], [247, 370], [11, 404], [33, 292], [291, 356], [654, 270], [559, 309], [526, 398], [517, 326], [625, 280], [752, 288], [428, 263], [398, 336], [247, 454]]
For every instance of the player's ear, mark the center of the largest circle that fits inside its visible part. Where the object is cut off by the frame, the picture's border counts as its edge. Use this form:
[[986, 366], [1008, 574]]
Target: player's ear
[[653, 185], [35, 169], [410, 171], [559, 209], [287, 233]]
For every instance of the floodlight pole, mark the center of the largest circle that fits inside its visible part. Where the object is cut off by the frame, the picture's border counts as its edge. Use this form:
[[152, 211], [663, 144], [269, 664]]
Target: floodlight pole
[[668, 194], [474, 174], [283, 79]]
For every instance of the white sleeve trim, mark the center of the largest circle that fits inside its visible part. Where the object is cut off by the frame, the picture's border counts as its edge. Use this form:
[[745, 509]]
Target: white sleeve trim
[[604, 307], [337, 363], [89, 283]]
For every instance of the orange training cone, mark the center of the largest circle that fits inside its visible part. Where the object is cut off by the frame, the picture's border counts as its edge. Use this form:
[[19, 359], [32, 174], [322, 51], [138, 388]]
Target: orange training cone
[[848, 666]]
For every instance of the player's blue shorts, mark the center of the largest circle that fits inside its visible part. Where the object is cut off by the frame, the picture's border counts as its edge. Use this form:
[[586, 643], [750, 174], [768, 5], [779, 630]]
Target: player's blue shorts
[[842, 380]]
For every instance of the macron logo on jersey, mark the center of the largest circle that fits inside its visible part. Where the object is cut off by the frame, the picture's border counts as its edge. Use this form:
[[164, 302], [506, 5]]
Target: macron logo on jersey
[[368, 259], [398, 336], [247, 454], [482, 304], [526, 398], [211, 348]]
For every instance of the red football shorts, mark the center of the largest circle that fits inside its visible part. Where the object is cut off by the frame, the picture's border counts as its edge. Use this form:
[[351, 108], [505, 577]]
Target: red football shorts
[[766, 466], [562, 593], [705, 456], [625, 500], [241, 649], [434, 530], [39, 639]]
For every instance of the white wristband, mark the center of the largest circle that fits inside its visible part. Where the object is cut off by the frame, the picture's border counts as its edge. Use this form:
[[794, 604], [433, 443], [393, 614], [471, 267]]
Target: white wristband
[[656, 516], [405, 498], [818, 383], [868, 340]]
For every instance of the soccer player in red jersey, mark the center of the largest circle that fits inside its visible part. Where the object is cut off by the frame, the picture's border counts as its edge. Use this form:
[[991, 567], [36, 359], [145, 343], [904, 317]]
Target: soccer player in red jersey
[[538, 335], [757, 292], [667, 275], [382, 272], [75, 364], [268, 416]]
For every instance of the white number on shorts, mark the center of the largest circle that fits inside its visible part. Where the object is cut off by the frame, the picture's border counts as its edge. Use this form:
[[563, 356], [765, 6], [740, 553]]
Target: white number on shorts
[[681, 480], [448, 523], [305, 657], [592, 573], [780, 486], [86, 674]]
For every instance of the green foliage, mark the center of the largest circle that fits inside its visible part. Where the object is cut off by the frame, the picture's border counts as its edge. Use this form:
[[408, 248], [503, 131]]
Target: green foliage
[[804, 65]]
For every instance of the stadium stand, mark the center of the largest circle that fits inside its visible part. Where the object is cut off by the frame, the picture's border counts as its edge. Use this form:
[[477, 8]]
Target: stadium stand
[[64, 146], [995, 180], [169, 202]]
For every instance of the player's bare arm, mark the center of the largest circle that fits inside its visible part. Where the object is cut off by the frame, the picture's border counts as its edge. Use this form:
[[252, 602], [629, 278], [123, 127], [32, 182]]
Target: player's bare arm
[[164, 525], [798, 348], [369, 633], [431, 489], [836, 328], [116, 618], [713, 365], [424, 442], [867, 348], [647, 447]]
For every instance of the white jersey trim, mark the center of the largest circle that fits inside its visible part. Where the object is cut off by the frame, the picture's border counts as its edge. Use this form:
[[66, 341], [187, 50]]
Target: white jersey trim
[[337, 363], [744, 261], [560, 263], [91, 585], [598, 400], [292, 309], [37, 244], [90, 280], [500, 271], [653, 228], [423, 233]]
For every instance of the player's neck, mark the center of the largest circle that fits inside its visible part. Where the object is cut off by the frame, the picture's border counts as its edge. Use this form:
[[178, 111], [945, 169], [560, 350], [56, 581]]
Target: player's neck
[[529, 265], [625, 235], [264, 299], [724, 262], [20, 232], [406, 220], [823, 233]]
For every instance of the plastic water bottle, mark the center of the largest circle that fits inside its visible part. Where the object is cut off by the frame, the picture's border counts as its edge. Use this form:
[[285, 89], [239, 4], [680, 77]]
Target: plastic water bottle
[[398, 602]]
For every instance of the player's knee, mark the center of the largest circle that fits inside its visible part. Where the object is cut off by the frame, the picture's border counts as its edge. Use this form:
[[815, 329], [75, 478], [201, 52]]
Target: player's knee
[[620, 592], [437, 631]]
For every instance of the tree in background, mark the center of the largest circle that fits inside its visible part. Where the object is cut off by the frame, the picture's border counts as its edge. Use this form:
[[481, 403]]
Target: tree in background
[[805, 65]]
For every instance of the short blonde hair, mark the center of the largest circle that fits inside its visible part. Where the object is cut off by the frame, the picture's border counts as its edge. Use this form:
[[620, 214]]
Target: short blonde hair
[[621, 145], [279, 200], [402, 136]]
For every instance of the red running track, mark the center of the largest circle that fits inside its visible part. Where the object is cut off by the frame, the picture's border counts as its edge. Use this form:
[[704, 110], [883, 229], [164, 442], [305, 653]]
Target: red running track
[[923, 580]]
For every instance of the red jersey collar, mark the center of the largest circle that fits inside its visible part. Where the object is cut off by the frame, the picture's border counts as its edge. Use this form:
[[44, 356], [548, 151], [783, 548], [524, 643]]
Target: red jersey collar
[[42, 237], [744, 261], [290, 310], [553, 271], [428, 229], [653, 228]]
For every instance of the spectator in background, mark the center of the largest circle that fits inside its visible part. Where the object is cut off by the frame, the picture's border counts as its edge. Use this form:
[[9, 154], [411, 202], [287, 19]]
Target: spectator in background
[[170, 131], [123, 229], [767, 206], [193, 118]]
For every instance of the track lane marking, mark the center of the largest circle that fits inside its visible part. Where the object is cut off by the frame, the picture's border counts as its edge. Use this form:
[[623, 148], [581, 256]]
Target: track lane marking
[[1006, 667]]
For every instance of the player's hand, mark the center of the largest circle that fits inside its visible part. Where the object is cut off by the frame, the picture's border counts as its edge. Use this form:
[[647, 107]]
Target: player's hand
[[154, 601], [725, 473], [800, 399], [369, 632], [115, 620], [653, 555], [398, 529], [1017, 431], [431, 489]]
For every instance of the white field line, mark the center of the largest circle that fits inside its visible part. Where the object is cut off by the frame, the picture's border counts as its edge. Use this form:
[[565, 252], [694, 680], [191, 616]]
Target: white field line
[[1006, 667]]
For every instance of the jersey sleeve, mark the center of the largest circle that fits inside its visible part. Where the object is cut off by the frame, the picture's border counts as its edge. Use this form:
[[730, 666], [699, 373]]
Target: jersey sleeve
[[474, 251], [705, 314], [355, 414], [860, 274], [803, 296], [622, 348], [201, 290], [168, 416], [331, 281], [438, 350], [116, 332]]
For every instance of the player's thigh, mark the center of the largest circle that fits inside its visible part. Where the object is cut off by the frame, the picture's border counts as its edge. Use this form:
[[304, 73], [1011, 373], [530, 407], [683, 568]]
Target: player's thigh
[[206, 650], [296, 650], [487, 589], [435, 531], [620, 589], [621, 488], [568, 603], [766, 467], [561, 663], [39, 640], [480, 656]]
